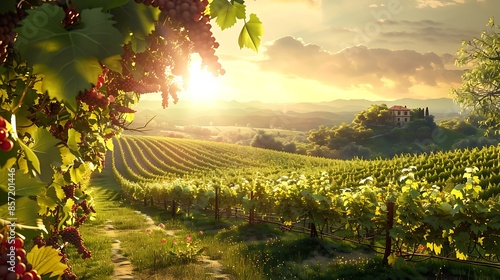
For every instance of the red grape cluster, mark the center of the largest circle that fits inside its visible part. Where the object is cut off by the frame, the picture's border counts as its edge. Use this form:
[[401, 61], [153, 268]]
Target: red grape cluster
[[94, 97], [69, 190], [8, 22], [5, 143], [72, 236], [13, 263], [191, 14]]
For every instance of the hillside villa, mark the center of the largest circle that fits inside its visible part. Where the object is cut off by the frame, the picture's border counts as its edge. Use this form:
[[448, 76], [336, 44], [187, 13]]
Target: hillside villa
[[400, 115]]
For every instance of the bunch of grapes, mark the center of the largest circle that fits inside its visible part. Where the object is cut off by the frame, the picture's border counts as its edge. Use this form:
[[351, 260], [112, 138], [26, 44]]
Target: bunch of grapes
[[8, 22], [94, 97], [13, 263], [69, 190], [72, 236], [5, 143], [191, 14]]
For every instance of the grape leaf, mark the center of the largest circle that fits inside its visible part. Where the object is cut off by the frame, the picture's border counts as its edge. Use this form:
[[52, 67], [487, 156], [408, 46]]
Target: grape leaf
[[74, 137], [251, 33], [106, 5], [30, 157], [226, 13], [26, 214], [67, 59], [137, 19], [46, 260], [8, 6], [77, 173], [26, 185], [46, 150]]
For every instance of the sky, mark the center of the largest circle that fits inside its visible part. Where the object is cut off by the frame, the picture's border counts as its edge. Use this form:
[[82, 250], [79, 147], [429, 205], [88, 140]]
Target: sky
[[322, 50]]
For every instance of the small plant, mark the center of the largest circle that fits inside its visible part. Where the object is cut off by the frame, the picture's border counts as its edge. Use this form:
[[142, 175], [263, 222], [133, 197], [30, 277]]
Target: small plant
[[186, 250]]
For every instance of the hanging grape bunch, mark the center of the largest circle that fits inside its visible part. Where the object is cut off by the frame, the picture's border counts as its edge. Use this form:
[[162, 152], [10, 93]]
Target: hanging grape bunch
[[8, 22], [6, 144]]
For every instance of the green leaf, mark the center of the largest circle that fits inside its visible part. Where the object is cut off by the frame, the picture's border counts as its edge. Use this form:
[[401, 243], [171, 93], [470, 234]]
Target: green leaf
[[137, 19], [26, 185], [458, 194], [46, 150], [31, 157], [46, 260], [26, 214], [67, 59], [8, 6], [226, 13], [74, 137], [251, 33], [77, 173], [106, 5]]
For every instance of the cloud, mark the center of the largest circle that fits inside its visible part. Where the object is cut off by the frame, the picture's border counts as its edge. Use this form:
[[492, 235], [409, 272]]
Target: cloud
[[441, 3], [388, 73], [315, 3]]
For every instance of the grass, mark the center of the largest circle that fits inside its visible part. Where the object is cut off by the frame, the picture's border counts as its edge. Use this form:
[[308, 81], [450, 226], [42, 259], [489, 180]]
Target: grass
[[254, 252]]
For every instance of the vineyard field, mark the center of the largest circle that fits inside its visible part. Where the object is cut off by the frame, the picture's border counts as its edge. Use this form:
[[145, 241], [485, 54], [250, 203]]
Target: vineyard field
[[440, 205]]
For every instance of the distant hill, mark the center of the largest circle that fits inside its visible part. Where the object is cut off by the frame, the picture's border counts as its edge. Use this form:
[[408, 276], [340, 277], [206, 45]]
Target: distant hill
[[299, 116]]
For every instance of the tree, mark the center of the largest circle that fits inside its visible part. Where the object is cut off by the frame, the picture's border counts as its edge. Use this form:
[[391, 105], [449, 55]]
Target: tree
[[70, 72], [321, 136], [373, 116], [480, 89], [266, 141]]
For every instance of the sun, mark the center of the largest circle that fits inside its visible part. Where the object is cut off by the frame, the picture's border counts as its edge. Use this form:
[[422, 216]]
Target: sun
[[203, 87]]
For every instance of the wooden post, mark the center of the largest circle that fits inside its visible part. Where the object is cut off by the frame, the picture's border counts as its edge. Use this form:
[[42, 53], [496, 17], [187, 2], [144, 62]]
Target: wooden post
[[388, 239], [251, 218], [174, 209], [314, 232], [217, 202]]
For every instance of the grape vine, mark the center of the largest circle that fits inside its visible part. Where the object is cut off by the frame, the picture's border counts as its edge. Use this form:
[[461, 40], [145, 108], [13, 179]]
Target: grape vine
[[450, 216], [70, 74]]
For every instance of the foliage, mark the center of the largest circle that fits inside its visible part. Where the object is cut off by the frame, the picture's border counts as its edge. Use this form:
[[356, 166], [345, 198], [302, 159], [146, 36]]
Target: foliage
[[188, 249], [480, 88], [375, 115], [474, 142], [437, 198], [339, 136], [269, 141], [460, 126], [70, 74], [354, 151]]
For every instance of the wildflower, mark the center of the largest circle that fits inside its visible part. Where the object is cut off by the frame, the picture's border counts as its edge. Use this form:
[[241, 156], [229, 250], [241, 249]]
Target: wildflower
[[161, 226], [163, 240], [189, 239], [201, 232], [149, 231], [175, 242]]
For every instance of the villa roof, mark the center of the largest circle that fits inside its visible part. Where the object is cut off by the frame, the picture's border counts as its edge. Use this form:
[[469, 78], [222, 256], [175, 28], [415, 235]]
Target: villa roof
[[399, 108]]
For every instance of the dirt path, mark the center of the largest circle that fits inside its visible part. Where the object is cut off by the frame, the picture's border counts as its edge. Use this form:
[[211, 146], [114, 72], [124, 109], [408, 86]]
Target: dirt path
[[123, 268]]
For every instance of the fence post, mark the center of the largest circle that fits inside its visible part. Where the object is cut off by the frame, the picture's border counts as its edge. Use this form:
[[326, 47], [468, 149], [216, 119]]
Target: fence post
[[314, 231], [251, 218], [388, 239], [217, 203], [174, 209]]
